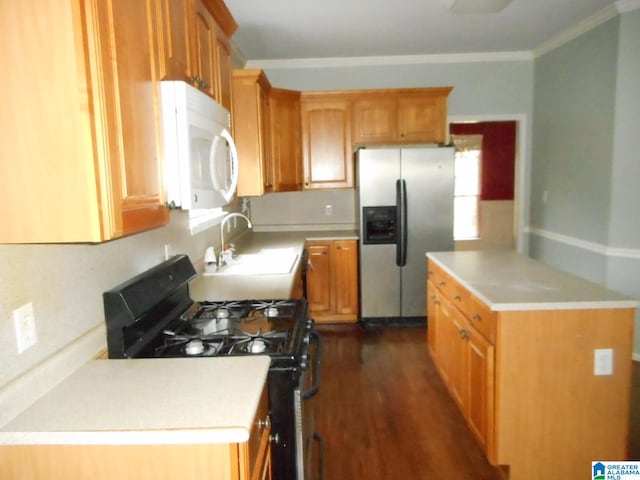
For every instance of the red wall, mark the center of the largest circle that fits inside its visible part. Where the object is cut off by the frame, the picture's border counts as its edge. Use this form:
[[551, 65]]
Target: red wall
[[498, 156]]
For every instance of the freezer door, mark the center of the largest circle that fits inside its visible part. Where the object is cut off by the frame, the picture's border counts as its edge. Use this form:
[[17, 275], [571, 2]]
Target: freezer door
[[378, 169], [428, 173]]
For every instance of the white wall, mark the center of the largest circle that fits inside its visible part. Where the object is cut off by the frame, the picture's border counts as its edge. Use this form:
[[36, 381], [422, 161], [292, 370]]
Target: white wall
[[585, 157]]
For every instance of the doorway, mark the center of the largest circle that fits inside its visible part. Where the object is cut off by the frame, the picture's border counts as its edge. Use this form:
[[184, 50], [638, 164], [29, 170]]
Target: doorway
[[487, 203]]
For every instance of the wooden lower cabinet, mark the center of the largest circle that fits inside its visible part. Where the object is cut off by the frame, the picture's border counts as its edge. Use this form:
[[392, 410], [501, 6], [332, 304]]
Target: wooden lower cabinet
[[524, 379], [217, 461], [332, 280]]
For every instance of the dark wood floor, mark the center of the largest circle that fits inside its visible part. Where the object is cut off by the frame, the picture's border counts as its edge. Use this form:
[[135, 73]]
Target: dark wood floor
[[385, 414]]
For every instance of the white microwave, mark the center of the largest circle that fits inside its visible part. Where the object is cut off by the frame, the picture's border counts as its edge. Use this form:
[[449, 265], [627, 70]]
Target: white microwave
[[200, 158]]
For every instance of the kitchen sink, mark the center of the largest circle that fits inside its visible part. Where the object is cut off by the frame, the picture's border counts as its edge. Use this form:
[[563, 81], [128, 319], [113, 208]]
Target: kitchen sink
[[274, 261]]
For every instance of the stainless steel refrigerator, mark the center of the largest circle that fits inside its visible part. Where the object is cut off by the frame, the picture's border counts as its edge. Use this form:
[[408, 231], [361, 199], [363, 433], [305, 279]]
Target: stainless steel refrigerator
[[405, 205]]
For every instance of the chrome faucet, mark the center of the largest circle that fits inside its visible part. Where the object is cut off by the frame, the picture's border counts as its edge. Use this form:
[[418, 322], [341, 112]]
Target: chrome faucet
[[221, 259]]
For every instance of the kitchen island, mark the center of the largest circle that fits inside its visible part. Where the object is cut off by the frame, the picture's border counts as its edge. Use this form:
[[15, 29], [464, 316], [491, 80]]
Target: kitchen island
[[143, 419], [539, 361]]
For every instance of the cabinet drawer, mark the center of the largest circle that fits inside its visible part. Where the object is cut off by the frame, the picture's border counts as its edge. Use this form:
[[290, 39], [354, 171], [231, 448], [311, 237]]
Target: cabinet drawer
[[440, 279], [483, 319]]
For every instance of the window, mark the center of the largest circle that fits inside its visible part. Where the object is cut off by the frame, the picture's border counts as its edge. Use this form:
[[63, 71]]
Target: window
[[468, 151]]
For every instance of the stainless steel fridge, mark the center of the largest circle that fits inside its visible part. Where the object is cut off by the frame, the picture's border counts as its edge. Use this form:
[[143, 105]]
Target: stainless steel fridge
[[405, 206]]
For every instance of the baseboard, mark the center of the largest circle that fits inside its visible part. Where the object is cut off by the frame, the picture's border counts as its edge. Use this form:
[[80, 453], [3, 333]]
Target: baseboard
[[393, 322]]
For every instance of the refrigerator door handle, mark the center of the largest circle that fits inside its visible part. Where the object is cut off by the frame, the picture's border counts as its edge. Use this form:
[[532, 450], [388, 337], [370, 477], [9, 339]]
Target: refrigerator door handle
[[401, 209]]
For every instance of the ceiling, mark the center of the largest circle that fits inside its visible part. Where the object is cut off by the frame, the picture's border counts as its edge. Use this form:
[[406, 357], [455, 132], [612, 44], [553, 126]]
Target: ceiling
[[304, 29]]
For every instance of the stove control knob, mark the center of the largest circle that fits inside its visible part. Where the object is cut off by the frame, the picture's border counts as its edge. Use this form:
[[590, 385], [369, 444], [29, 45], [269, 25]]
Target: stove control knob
[[274, 438]]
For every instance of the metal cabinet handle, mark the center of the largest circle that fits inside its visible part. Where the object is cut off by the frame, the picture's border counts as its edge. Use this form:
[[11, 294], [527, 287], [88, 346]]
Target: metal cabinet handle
[[477, 317], [265, 423], [464, 334], [274, 438], [458, 298]]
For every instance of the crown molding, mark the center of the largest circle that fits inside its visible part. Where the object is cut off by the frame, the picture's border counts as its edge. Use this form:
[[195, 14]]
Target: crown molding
[[625, 6], [581, 28], [296, 63]]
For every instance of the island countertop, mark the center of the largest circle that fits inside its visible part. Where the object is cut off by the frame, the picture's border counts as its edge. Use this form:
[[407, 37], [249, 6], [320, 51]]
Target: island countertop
[[146, 401], [508, 281]]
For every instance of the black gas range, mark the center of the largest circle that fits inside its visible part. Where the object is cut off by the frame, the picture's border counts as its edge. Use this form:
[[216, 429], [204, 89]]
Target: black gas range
[[153, 316]]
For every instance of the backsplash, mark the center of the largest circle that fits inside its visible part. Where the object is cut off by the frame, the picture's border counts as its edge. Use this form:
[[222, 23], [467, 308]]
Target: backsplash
[[330, 209], [65, 284]]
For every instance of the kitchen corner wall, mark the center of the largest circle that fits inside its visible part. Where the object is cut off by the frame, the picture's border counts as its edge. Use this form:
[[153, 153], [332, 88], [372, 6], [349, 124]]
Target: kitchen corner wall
[[65, 283], [585, 168]]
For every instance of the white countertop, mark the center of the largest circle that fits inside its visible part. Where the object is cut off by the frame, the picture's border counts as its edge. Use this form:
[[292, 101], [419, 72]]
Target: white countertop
[[243, 287], [147, 401], [507, 281]]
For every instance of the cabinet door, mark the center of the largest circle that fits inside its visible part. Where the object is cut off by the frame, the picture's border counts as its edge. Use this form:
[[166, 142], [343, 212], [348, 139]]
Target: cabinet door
[[131, 107], [433, 320], [422, 118], [224, 67], [345, 277], [326, 143], [252, 131], [453, 352], [286, 144], [375, 120], [319, 277], [205, 49], [174, 20], [480, 401]]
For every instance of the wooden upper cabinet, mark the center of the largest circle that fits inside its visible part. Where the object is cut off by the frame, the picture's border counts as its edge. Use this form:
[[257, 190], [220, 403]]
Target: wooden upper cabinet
[[213, 27], [400, 116], [252, 131], [205, 37], [224, 62], [326, 141], [286, 140], [174, 19], [84, 152]]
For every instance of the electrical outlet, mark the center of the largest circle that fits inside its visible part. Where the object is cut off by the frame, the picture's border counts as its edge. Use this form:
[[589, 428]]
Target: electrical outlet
[[24, 323], [603, 361]]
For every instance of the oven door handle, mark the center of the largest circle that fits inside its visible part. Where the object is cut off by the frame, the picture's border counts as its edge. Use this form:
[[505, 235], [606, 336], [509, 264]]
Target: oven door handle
[[313, 389]]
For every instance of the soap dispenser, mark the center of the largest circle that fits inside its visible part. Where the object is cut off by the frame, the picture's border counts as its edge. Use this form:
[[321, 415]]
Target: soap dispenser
[[210, 263]]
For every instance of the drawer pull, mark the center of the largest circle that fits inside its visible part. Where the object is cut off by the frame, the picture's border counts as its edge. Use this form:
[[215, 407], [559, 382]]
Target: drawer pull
[[477, 317], [434, 299], [458, 298], [442, 284], [464, 334]]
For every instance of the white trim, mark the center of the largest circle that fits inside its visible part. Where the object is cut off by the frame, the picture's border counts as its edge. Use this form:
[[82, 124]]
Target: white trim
[[635, 357], [625, 6], [594, 247], [521, 213], [574, 32], [27, 388], [293, 63]]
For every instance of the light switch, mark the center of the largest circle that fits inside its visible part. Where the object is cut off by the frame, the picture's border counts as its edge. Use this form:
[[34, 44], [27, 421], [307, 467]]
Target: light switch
[[603, 361]]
